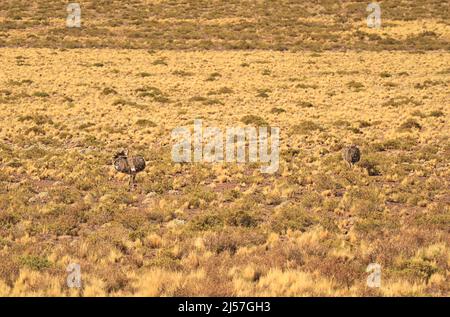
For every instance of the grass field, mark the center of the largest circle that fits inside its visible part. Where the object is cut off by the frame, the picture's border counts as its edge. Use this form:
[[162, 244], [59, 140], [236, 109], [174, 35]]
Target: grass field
[[224, 25], [70, 99]]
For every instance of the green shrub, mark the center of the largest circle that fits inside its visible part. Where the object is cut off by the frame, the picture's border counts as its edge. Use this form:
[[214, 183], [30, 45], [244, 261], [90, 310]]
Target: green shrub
[[292, 217], [36, 263]]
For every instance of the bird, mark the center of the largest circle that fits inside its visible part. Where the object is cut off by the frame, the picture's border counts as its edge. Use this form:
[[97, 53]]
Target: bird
[[351, 154], [128, 164]]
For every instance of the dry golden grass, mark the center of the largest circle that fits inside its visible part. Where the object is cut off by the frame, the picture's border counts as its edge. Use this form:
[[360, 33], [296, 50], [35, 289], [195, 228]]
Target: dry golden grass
[[210, 229], [311, 229], [232, 24]]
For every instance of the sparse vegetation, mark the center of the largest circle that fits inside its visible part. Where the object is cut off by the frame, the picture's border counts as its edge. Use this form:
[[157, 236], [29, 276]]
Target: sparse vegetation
[[254, 120], [410, 124], [276, 110], [355, 85], [206, 229], [306, 127], [127, 27]]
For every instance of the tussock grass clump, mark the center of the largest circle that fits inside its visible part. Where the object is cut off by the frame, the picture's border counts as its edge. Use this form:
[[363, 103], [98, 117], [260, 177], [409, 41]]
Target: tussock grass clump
[[401, 101], [438, 218], [198, 99], [210, 102], [9, 219], [355, 85], [86, 125], [231, 239], [436, 114], [182, 73], [428, 83], [213, 76], [390, 84], [109, 91], [306, 86], [421, 268], [444, 72], [371, 165], [221, 91], [41, 94], [36, 263], [342, 123], [155, 93], [277, 110], [144, 74], [160, 61], [200, 198], [305, 104], [206, 222], [292, 218], [254, 120], [263, 93], [241, 218], [364, 124], [418, 113], [13, 82], [39, 119], [306, 127], [146, 123], [401, 143], [148, 91], [125, 102], [410, 124], [355, 130], [363, 201], [206, 101]]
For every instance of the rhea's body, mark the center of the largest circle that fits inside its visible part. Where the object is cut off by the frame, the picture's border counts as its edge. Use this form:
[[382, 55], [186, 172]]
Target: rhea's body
[[130, 165], [351, 154]]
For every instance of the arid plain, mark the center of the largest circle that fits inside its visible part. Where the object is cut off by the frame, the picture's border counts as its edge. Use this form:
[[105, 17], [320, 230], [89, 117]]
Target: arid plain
[[311, 229]]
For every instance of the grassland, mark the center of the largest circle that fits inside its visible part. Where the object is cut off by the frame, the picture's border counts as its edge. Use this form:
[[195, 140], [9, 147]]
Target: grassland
[[310, 229], [224, 25]]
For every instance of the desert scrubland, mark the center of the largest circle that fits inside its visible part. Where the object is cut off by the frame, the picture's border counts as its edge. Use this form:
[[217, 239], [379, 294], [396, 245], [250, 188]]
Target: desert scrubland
[[71, 98]]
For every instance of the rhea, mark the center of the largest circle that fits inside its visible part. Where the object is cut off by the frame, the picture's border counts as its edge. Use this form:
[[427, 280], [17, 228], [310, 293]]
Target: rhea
[[351, 155], [129, 164]]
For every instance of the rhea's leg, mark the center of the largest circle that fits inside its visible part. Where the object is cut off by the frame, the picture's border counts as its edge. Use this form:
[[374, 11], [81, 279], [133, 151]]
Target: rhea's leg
[[132, 181]]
